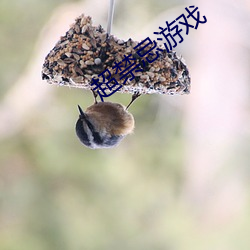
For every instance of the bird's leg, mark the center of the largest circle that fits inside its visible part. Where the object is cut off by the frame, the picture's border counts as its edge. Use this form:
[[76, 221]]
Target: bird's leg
[[134, 97], [95, 95]]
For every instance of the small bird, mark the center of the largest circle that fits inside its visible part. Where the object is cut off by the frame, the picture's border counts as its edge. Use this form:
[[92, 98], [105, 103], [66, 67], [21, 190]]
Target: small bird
[[104, 124]]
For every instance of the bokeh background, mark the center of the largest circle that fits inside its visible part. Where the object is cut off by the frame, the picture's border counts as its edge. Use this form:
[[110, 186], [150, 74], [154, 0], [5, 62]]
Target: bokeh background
[[180, 182]]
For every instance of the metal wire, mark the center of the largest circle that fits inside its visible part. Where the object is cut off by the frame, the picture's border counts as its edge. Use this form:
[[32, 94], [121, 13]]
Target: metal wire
[[110, 15]]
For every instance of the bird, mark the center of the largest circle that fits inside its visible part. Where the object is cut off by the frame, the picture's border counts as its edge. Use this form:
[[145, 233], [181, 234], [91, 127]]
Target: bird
[[104, 124]]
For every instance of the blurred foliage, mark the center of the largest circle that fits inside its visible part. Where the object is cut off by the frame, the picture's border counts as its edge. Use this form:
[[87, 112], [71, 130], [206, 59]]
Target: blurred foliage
[[20, 23], [56, 194]]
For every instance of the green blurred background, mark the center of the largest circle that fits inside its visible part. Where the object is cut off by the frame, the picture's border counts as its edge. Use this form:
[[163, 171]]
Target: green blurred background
[[180, 182]]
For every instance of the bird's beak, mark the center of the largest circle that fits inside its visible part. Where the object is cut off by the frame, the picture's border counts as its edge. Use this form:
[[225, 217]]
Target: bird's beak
[[82, 115]]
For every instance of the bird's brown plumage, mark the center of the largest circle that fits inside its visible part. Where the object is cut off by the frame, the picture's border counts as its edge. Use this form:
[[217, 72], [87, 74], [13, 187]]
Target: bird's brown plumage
[[112, 117]]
